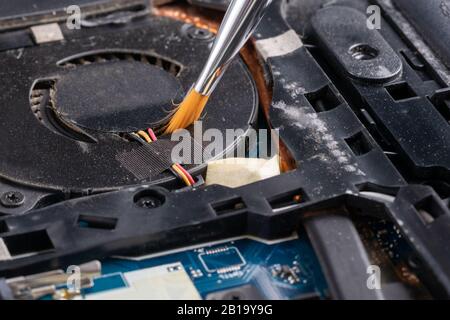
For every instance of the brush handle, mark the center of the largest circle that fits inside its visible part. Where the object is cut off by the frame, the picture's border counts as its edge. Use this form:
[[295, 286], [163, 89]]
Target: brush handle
[[239, 22]]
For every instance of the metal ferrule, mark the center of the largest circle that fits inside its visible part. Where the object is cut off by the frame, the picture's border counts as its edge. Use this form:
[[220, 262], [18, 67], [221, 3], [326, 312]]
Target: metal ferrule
[[239, 22]]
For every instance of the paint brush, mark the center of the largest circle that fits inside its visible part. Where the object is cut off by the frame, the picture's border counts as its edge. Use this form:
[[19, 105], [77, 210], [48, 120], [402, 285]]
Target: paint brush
[[240, 21]]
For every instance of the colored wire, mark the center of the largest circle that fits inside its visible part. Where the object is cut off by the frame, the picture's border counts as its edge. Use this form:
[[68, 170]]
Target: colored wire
[[175, 173], [137, 138], [144, 135], [152, 134], [176, 168], [181, 174], [187, 174]]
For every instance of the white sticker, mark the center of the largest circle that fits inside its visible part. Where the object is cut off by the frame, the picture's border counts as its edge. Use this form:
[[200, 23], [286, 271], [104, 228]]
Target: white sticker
[[280, 45], [47, 33]]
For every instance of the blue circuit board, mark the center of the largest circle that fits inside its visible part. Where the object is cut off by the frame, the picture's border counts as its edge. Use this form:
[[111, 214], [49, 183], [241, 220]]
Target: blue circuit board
[[284, 270]]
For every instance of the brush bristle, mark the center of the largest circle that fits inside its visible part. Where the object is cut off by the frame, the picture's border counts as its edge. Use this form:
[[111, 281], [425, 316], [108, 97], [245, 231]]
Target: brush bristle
[[187, 112]]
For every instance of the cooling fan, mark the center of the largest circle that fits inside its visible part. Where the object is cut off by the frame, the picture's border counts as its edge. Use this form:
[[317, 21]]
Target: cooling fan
[[67, 106]]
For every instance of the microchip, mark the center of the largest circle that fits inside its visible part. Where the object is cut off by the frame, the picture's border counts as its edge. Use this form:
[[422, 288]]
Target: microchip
[[222, 259]]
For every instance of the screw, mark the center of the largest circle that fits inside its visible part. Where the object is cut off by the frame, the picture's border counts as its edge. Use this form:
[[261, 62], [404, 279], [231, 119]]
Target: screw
[[148, 202], [199, 34], [149, 199], [12, 199]]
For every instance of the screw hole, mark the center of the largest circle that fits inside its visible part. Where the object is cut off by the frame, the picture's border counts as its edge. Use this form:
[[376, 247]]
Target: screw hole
[[363, 52], [199, 34]]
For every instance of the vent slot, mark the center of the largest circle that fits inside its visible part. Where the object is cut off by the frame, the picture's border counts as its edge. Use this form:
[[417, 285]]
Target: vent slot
[[168, 65], [286, 200], [401, 91], [359, 144], [28, 243], [96, 222], [429, 209], [229, 206], [441, 101], [40, 97], [323, 100], [3, 226], [42, 106]]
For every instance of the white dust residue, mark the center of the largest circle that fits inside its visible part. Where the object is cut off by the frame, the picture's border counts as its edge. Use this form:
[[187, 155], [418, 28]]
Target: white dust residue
[[83, 146], [383, 72], [302, 119], [294, 89]]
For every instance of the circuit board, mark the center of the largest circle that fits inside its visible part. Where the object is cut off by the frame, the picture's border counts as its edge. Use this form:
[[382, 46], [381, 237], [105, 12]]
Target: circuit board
[[286, 269]]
